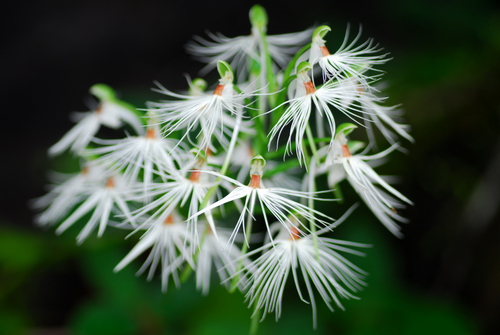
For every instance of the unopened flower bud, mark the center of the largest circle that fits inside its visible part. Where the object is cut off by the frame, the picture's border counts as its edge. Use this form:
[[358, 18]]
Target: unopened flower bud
[[258, 16], [103, 92]]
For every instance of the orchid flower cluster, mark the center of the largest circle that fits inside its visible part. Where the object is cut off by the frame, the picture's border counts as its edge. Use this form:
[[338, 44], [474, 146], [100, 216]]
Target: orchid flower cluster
[[205, 167]]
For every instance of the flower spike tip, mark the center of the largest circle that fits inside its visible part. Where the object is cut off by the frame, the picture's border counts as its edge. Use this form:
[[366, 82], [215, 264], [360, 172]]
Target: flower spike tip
[[258, 16]]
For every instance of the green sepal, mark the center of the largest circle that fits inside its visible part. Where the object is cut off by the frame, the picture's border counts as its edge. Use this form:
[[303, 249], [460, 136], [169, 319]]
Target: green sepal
[[345, 128], [223, 67], [103, 92], [258, 158], [304, 66], [321, 31], [258, 16]]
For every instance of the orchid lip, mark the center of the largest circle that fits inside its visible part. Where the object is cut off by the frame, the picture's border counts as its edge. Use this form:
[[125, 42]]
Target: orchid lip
[[255, 181]]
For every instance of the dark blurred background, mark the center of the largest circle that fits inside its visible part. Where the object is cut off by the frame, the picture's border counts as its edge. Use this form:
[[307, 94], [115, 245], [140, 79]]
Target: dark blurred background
[[443, 277]]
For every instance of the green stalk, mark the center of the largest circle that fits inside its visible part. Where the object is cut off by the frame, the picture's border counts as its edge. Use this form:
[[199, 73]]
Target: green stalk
[[306, 157], [261, 138], [254, 325], [337, 192], [312, 189], [312, 186], [312, 145], [186, 273], [244, 248], [266, 75], [260, 143], [267, 62]]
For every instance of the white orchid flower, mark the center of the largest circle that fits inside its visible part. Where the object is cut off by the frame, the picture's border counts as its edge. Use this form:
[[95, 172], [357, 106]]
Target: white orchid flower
[[110, 113], [66, 192], [272, 200], [349, 60], [167, 239], [380, 197], [102, 200], [332, 94], [241, 51], [320, 264]]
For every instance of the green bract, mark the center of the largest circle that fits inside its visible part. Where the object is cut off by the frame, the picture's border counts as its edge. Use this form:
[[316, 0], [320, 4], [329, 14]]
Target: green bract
[[258, 160], [320, 32]]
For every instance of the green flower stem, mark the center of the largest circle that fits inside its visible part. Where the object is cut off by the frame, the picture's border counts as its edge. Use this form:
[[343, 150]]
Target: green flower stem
[[262, 99], [312, 145], [244, 249], [267, 64], [186, 273], [260, 142], [337, 192], [254, 325], [312, 189], [312, 185], [307, 159], [268, 79], [319, 127], [261, 135]]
